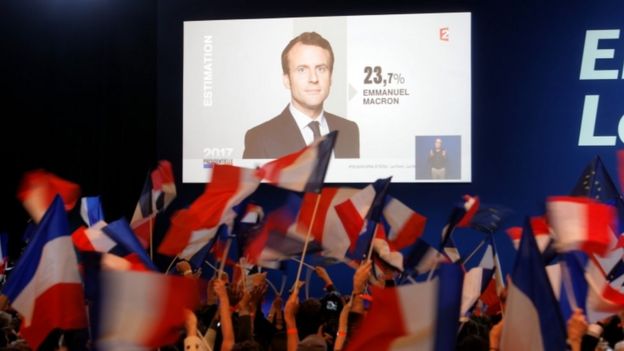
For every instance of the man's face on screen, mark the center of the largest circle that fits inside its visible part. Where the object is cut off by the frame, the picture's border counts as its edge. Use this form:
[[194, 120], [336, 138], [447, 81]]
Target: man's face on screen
[[309, 77]]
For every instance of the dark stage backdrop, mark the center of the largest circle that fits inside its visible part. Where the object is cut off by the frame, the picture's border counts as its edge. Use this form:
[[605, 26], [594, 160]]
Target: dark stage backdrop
[[92, 90], [79, 99]]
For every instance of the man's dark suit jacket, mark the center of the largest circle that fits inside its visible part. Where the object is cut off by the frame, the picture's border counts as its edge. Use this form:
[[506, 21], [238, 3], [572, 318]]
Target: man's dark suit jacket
[[281, 136]]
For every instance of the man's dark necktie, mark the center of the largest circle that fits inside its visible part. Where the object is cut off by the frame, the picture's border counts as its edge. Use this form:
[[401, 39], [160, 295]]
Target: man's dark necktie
[[316, 129]]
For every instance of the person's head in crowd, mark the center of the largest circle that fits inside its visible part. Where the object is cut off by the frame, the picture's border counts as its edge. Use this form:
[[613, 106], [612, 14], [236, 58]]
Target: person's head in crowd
[[278, 342], [472, 343], [5, 320], [309, 318], [331, 305], [473, 335]]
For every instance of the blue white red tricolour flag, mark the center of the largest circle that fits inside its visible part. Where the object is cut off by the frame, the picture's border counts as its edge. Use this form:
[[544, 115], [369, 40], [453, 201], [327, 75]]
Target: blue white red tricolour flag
[[460, 216], [304, 170], [93, 239], [277, 239], [139, 310], [402, 225], [422, 257], [38, 189], [477, 279], [158, 191], [45, 286], [91, 210], [588, 288], [116, 238], [328, 230], [541, 230], [533, 320], [193, 228], [582, 224], [399, 321]]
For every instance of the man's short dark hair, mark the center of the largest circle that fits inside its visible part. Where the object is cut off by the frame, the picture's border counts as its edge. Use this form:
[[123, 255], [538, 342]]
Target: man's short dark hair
[[308, 38], [309, 317]]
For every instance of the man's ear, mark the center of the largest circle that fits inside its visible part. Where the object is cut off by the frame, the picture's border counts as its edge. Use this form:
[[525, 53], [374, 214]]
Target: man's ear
[[286, 81]]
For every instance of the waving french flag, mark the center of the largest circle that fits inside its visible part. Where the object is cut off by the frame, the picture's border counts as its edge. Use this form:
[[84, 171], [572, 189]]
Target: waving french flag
[[533, 320], [327, 229], [191, 229], [582, 224], [138, 310], [304, 170], [477, 278], [45, 286], [93, 238], [588, 288], [91, 210], [38, 189], [399, 321], [116, 238], [541, 230], [158, 191], [276, 238], [402, 225]]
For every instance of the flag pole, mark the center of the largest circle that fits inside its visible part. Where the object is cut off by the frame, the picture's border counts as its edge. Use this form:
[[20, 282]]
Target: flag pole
[[307, 284], [567, 284], [282, 284], [171, 264], [307, 240], [224, 257], [151, 239], [210, 265], [499, 270], [307, 265], [474, 252], [445, 239], [370, 247], [272, 287]]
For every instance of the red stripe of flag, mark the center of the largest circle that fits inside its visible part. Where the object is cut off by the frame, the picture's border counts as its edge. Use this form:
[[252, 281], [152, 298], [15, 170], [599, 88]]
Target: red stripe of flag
[[49, 317], [181, 293], [351, 220], [81, 240], [383, 323]]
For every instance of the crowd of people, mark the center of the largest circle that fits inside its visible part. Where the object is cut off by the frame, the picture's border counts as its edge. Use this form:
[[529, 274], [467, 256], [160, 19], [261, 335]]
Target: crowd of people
[[231, 317]]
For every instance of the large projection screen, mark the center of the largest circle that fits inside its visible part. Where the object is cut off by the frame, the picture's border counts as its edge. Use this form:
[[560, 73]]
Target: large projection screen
[[402, 82]]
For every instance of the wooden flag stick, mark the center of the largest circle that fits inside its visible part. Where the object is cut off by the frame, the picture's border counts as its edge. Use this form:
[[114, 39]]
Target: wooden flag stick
[[567, 284], [282, 284], [210, 265], [439, 254], [151, 240], [171, 264], [498, 274], [370, 247], [305, 264], [473, 252], [307, 282], [224, 258], [273, 287], [307, 240]]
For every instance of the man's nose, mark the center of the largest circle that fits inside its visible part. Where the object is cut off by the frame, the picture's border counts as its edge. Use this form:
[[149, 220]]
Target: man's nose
[[313, 76]]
